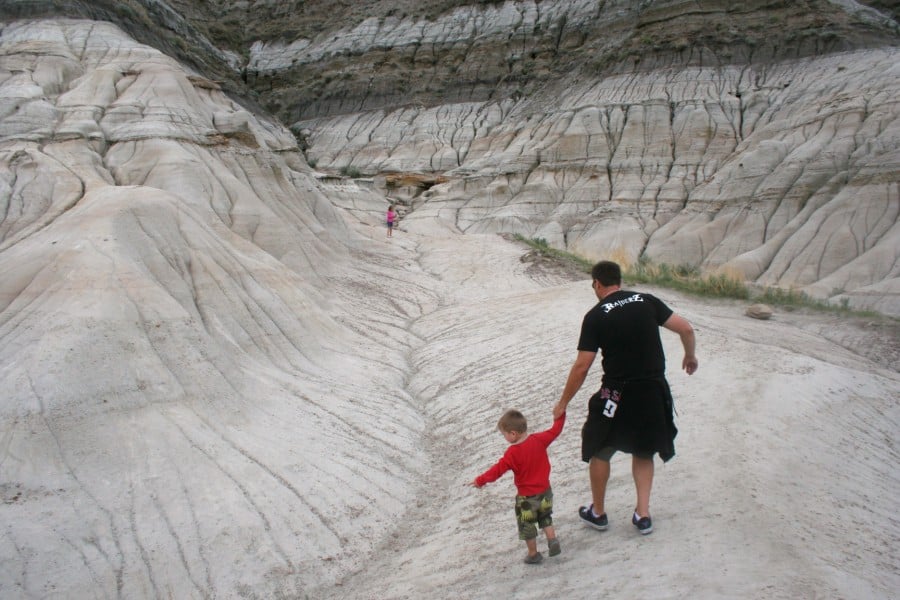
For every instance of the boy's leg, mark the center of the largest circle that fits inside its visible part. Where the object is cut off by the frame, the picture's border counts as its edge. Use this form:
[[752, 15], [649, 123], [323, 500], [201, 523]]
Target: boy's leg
[[599, 474], [553, 548], [545, 522], [545, 514], [526, 520], [642, 471]]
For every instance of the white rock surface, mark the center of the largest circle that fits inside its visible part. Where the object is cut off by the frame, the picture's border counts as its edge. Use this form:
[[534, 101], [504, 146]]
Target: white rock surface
[[786, 175], [218, 378], [177, 411]]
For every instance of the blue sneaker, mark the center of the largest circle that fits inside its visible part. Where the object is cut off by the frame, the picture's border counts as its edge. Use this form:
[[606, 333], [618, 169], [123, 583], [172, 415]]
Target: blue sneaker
[[643, 524], [587, 515]]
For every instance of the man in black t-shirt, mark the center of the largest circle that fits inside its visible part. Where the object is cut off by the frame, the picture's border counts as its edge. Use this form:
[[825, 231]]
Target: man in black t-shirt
[[632, 411]]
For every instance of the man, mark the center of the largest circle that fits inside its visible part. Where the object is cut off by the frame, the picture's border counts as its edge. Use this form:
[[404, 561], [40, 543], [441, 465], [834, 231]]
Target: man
[[633, 410]]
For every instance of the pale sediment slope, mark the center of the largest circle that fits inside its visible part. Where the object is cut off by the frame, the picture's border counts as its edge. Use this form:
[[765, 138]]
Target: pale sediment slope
[[181, 385], [783, 485], [216, 381]]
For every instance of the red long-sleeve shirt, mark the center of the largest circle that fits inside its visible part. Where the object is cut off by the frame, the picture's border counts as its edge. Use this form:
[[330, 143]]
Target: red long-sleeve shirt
[[528, 461]]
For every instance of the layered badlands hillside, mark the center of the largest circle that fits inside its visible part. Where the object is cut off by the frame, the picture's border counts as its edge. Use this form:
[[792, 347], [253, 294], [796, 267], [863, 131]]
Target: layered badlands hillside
[[768, 152], [757, 139], [218, 378]]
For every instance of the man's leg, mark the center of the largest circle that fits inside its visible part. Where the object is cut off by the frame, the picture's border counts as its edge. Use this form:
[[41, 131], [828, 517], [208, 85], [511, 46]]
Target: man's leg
[[599, 473], [642, 471]]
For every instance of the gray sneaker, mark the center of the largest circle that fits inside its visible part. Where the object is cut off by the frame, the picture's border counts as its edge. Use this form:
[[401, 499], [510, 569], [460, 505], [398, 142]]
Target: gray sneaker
[[553, 547], [534, 559]]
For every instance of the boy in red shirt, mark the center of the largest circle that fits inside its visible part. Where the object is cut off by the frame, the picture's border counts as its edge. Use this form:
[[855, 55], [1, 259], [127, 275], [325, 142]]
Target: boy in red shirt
[[527, 458]]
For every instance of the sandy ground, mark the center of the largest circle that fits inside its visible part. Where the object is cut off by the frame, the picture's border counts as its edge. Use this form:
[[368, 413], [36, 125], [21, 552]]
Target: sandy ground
[[219, 379], [785, 482], [267, 447]]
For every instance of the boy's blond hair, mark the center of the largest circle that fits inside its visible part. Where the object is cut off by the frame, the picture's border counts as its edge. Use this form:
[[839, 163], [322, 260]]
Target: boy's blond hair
[[513, 420]]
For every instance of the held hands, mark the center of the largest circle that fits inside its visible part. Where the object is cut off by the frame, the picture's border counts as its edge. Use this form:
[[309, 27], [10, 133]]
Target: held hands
[[559, 410]]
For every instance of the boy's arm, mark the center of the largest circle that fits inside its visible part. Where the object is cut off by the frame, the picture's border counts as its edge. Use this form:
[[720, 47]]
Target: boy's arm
[[558, 424], [551, 434], [492, 474]]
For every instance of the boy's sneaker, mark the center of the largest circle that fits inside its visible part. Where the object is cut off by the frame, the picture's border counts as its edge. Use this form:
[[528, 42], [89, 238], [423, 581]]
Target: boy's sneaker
[[644, 524], [534, 559], [587, 515], [553, 547]]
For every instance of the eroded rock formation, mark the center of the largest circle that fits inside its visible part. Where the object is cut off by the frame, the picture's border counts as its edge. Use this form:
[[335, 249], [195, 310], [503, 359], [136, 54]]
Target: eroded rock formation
[[769, 167], [172, 354], [214, 385], [759, 139]]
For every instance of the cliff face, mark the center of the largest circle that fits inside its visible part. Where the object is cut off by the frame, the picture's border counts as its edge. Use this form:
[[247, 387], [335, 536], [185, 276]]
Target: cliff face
[[316, 58], [477, 51], [758, 139], [593, 125], [786, 174], [172, 336], [216, 381]]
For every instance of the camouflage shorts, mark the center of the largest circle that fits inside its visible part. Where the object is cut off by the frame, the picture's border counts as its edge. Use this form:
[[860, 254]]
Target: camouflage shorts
[[533, 512]]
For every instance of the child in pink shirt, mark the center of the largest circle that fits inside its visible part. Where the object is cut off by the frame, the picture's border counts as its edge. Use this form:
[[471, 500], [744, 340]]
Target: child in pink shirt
[[391, 217]]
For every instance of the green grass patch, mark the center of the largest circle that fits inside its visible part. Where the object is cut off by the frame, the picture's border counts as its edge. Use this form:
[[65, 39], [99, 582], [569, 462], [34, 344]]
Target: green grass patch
[[686, 278], [689, 279], [541, 246]]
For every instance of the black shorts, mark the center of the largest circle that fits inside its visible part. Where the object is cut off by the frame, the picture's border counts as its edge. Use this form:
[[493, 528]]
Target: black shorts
[[606, 453], [636, 417]]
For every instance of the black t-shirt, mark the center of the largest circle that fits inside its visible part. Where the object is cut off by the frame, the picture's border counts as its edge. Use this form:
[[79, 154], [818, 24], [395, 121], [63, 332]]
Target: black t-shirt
[[625, 327]]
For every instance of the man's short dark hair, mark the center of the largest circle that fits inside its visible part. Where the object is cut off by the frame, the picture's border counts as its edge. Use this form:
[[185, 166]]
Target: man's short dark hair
[[607, 273]]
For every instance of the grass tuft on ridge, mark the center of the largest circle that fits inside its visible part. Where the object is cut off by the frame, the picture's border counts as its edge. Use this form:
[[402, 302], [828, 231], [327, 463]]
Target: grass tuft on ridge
[[689, 279]]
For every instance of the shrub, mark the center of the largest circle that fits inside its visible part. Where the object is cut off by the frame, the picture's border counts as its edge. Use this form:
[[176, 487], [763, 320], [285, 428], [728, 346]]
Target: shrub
[[690, 279]]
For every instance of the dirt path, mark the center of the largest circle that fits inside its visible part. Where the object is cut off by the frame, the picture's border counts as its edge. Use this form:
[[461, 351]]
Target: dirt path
[[787, 439]]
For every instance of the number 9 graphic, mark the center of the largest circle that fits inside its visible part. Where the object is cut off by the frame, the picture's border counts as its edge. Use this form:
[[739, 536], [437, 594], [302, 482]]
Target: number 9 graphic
[[610, 409]]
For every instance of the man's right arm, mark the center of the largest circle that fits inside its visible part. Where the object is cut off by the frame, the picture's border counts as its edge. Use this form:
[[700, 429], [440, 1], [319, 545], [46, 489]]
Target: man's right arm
[[683, 328], [577, 375]]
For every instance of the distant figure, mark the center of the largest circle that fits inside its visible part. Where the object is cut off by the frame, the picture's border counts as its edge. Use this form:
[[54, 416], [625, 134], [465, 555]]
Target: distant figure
[[633, 411], [391, 217], [527, 458]]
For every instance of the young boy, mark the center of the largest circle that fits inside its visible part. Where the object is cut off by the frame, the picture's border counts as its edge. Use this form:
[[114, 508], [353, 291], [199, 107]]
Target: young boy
[[527, 458]]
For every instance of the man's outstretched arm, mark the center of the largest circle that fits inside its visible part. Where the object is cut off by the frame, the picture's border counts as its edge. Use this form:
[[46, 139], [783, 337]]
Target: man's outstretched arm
[[577, 375]]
